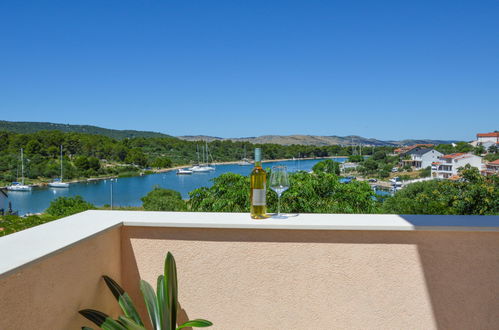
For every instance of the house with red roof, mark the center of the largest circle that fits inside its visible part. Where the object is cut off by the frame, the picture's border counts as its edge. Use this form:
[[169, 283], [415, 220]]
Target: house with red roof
[[492, 137], [448, 165], [491, 168]]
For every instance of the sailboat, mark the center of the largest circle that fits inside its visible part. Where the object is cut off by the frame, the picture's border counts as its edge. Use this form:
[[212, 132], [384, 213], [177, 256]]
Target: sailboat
[[203, 167], [245, 161], [58, 182], [20, 186]]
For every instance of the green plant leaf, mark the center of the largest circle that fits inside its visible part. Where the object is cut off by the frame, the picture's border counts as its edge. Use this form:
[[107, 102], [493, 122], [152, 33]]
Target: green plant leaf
[[162, 303], [198, 323], [86, 328], [130, 324], [171, 289], [124, 300], [102, 320], [151, 304]]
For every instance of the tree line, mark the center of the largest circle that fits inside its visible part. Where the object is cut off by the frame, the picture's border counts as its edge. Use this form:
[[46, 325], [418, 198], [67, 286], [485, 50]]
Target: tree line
[[88, 155]]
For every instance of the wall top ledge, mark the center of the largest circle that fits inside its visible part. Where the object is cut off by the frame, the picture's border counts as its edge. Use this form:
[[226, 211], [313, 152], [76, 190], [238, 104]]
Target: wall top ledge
[[30, 245]]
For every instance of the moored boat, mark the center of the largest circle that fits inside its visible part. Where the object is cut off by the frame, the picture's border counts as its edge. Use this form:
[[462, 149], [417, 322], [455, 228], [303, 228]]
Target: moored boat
[[183, 171], [57, 183], [20, 186]]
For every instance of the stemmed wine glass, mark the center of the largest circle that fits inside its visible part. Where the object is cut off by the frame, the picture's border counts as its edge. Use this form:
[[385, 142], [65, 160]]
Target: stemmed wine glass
[[279, 182]]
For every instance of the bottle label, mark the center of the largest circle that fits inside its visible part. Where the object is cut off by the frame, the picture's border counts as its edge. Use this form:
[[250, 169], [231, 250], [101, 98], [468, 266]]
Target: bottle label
[[258, 197]]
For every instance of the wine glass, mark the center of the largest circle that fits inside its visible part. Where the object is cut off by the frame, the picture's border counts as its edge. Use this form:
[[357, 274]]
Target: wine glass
[[279, 182]]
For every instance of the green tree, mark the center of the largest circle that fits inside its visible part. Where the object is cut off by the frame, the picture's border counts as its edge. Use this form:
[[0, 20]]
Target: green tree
[[479, 150], [379, 155], [162, 162], [474, 194], [65, 206], [327, 166], [425, 172], [355, 158], [229, 193], [136, 157], [160, 199]]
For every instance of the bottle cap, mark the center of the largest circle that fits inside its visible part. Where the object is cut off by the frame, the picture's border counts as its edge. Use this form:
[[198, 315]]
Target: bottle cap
[[258, 155]]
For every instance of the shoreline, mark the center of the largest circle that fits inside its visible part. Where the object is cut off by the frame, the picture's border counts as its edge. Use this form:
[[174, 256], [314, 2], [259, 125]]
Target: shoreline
[[169, 169]]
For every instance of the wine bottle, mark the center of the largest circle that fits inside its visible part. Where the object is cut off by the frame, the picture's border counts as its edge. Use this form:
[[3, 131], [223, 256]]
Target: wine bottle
[[258, 188]]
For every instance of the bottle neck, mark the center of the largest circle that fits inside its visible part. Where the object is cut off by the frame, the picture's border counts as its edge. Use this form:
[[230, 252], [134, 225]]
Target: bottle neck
[[258, 164]]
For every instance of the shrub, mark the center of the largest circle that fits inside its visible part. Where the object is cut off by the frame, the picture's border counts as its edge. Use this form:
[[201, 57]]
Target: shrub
[[65, 206], [160, 199]]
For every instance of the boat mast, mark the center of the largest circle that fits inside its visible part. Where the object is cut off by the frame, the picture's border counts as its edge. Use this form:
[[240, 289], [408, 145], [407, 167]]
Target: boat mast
[[61, 162], [22, 167]]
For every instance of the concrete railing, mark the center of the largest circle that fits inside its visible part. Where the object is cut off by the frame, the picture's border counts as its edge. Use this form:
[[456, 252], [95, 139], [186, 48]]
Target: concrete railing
[[307, 271]]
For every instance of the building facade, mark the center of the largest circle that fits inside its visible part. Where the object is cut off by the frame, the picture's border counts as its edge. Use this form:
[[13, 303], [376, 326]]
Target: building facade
[[488, 137], [422, 158], [449, 165], [491, 168]]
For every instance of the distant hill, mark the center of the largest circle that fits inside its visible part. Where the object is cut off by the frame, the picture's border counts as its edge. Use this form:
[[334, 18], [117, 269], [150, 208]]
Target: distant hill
[[316, 140], [313, 140], [32, 127]]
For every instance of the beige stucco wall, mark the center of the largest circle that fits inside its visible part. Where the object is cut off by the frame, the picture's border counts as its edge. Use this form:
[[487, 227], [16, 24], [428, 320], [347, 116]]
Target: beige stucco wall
[[299, 279], [47, 294]]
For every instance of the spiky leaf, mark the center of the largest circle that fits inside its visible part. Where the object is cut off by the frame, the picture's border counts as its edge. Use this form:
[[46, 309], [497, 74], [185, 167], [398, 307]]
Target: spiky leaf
[[102, 320], [162, 304], [130, 324], [151, 304], [124, 300], [198, 323], [171, 289]]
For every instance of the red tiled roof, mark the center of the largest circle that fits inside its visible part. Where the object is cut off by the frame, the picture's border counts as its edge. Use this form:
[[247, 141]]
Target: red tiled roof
[[495, 162], [450, 156], [493, 134]]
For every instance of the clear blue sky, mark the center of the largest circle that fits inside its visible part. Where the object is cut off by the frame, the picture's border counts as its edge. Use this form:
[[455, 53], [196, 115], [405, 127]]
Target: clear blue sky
[[383, 69]]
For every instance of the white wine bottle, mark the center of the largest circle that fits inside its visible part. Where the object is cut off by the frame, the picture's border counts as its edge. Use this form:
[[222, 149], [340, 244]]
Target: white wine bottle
[[258, 188]]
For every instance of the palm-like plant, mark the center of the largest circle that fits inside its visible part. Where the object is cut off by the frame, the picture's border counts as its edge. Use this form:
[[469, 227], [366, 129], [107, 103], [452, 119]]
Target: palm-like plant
[[161, 306]]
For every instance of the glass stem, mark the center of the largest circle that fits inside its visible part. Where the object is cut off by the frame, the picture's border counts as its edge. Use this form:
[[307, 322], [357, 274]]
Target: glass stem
[[279, 204]]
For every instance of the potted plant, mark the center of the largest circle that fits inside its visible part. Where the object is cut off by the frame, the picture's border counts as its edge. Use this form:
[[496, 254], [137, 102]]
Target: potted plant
[[161, 306]]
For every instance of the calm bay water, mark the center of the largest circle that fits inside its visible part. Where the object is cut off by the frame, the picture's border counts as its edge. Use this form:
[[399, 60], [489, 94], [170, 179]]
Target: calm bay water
[[128, 191]]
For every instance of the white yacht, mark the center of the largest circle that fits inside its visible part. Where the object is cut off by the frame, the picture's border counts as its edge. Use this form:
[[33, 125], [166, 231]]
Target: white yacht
[[183, 171], [245, 161], [58, 183], [20, 186], [200, 168]]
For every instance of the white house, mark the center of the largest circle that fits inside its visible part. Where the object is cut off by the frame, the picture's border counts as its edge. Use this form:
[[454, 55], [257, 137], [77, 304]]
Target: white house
[[422, 158], [491, 168], [487, 137], [449, 165]]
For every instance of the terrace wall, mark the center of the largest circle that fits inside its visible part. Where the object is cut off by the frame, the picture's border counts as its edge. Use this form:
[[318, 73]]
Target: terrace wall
[[304, 272], [299, 279]]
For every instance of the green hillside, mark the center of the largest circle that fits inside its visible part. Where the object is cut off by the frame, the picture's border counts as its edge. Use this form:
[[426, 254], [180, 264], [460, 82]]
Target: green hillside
[[33, 127]]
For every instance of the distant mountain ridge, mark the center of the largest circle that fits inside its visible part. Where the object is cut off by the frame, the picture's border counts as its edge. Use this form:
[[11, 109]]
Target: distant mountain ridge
[[317, 140], [32, 127], [314, 140]]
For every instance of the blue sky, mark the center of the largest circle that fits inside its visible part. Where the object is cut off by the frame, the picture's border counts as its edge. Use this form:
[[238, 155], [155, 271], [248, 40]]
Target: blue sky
[[383, 69]]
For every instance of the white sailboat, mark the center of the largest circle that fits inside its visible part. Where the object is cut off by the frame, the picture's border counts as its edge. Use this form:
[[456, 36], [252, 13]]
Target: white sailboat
[[20, 186], [203, 167], [245, 161], [58, 182]]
